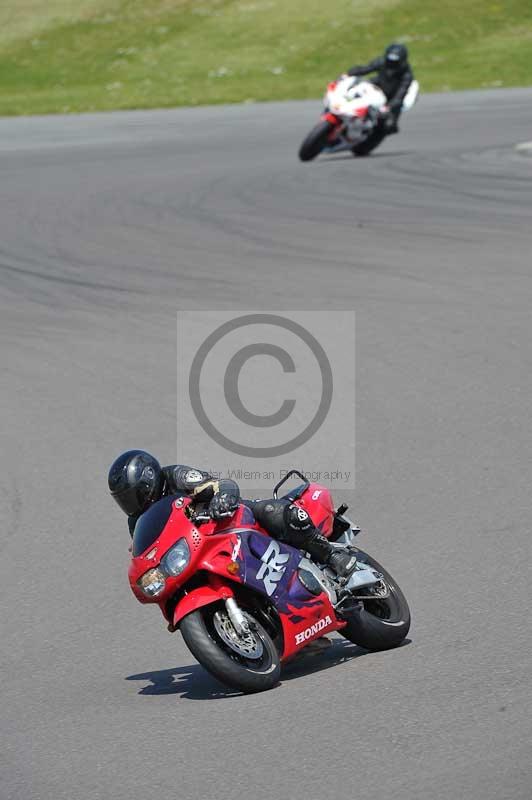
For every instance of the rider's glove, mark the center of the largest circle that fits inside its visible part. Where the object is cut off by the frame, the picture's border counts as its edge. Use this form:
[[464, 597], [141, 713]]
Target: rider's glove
[[223, 505]]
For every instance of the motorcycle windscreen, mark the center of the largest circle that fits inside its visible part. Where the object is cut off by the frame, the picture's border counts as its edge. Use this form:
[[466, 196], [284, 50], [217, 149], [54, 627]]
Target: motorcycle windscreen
[[151, 524]]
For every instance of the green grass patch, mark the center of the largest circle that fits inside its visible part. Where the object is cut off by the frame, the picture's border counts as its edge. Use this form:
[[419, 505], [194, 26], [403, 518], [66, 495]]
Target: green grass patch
[[87, 55]]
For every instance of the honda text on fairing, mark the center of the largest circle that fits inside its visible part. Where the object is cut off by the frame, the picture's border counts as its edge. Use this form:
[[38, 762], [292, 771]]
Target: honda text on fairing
[[246, 603], [354, 118]]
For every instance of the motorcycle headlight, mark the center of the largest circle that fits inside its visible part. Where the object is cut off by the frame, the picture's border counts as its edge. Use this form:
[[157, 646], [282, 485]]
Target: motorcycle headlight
[[176, 559], [152, 582]]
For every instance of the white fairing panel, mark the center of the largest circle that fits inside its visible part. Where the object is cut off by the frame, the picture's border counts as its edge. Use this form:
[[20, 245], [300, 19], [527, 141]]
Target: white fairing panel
[[350, 94], [411, 96]]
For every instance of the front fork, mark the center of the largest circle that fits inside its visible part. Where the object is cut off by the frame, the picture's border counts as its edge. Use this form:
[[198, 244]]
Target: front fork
[[236, 615], [337, 124], [213, 591]]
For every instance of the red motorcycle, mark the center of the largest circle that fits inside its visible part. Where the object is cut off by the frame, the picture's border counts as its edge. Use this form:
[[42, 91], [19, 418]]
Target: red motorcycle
[[246, 603]]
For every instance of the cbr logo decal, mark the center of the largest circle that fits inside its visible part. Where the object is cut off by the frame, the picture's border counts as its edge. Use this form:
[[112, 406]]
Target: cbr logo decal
[[272, 569], [316, 628]]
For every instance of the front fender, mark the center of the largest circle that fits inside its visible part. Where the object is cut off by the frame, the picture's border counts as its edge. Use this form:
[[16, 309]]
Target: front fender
[[197, 598], [327, 116]]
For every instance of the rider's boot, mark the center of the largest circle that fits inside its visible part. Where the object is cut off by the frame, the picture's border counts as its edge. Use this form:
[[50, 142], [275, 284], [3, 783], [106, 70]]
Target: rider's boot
[[342, 563], [391, 123]]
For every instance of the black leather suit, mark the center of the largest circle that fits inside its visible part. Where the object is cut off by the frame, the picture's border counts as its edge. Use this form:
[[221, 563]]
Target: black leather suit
[[281, 518], [393, 81]]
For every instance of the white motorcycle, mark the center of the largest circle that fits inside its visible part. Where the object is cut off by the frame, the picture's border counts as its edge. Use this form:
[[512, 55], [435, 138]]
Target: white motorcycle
[[353, 118]]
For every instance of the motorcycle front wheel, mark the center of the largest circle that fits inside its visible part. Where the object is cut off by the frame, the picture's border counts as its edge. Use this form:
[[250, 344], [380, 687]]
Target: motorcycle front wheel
[[378, 623], [249, 664], [317, 139]]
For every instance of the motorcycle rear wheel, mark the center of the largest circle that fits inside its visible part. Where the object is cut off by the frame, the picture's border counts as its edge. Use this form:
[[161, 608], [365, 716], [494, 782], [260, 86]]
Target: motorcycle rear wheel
[[317, 139], [380, 623], [249, 666], [370, 143]]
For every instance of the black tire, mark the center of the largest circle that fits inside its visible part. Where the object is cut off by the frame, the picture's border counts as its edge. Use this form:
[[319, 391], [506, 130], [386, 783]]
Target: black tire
[[379, 624], [315, 141], [370, 143], [212, 652]]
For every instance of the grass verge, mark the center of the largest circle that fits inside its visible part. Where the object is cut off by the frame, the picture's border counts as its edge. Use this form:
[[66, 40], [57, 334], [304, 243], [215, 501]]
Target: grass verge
[[84, 55]]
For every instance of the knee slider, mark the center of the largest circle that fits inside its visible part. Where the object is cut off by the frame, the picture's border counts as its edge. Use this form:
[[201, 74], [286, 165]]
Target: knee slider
[[297, 519]]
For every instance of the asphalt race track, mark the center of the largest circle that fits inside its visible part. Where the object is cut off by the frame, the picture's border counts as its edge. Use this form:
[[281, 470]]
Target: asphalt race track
[[108, 223]]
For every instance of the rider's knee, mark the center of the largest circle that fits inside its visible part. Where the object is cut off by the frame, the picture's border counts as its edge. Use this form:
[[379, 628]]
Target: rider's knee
[[271, 515], [297, 519]]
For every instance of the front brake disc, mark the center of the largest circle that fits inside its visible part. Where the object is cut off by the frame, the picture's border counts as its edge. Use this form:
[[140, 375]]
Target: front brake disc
[[248, 646]]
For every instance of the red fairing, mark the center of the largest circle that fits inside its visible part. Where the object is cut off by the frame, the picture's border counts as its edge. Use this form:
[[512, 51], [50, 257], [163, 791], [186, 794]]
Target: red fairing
[[332, 86], [311, 622], [210, 550], [317, 501], [362, 112]]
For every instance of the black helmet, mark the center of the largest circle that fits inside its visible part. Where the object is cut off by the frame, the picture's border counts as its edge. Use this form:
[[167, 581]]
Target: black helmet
[[396, 56], [135, 481]]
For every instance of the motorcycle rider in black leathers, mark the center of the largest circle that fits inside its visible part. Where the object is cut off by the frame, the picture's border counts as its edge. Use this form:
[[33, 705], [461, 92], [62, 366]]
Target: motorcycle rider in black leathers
[[394, 76], [136, 480]]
